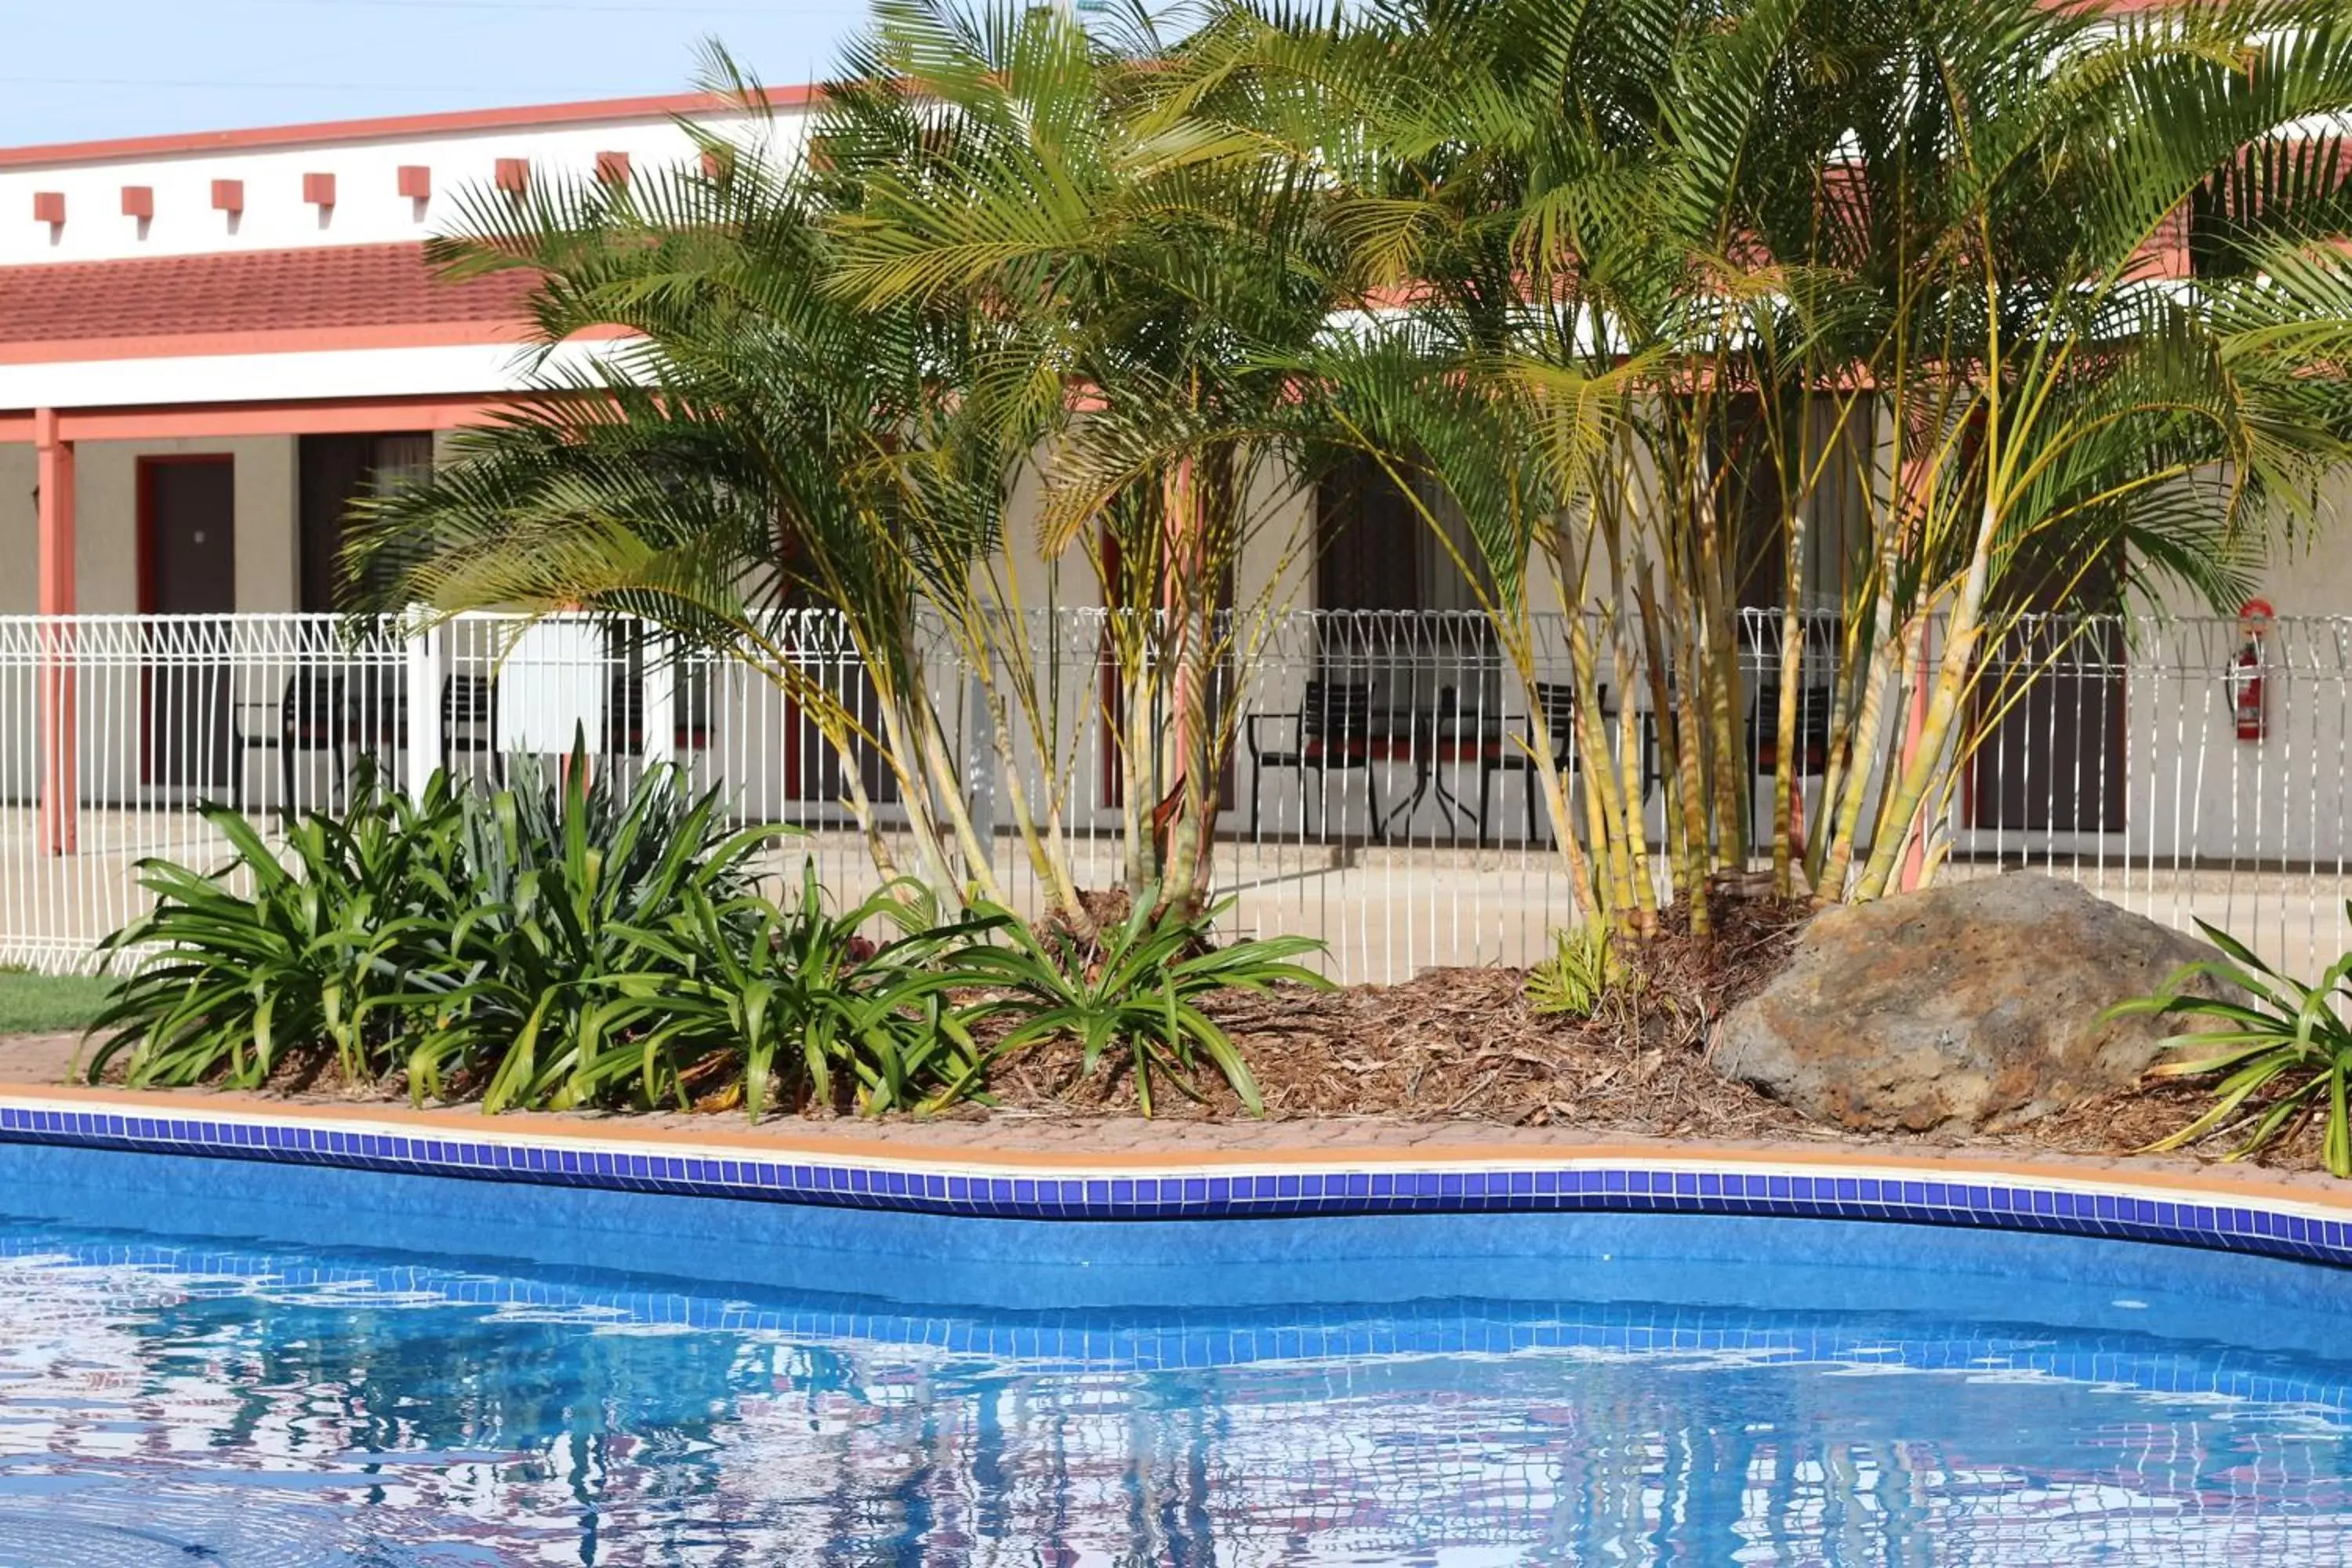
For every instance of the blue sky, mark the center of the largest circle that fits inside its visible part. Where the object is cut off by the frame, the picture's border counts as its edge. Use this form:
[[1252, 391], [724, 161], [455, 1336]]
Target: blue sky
[[72, 70]]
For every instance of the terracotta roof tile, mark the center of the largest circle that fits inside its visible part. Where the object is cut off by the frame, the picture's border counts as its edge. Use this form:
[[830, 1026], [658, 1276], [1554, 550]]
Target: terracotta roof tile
[[322, 289]]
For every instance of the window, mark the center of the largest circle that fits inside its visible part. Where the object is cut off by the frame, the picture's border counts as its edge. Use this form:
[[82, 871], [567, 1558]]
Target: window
[[1375, 549], [333, 472], [1407, 621]]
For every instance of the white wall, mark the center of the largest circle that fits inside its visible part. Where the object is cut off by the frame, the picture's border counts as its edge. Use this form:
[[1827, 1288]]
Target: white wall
[[447, 369], [369, 208]]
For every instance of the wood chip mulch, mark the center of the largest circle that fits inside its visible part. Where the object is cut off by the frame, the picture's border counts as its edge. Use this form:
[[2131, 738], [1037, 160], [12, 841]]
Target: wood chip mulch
[[1464, 1045]]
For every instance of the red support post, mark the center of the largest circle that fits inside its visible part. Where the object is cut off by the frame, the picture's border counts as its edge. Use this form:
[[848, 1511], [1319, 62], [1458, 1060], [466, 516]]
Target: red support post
[[60, 786]]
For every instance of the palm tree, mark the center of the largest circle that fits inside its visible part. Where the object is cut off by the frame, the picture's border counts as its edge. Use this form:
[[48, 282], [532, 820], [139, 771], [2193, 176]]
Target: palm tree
[[1003, 251], [1616, 282], [1653, 247], [1568, 194], [1154, 277], [754, 449], [2055, 400]]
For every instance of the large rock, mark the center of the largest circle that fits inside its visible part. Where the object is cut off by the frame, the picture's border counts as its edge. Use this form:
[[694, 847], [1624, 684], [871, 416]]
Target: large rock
[[1974, 1005]]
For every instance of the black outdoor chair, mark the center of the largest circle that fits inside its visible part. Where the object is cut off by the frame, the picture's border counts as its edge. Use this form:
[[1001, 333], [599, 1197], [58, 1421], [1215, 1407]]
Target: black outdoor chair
[[470, 719], [380, 713], [1556, 699], [314, 716], [1330, 733], [467, 720]]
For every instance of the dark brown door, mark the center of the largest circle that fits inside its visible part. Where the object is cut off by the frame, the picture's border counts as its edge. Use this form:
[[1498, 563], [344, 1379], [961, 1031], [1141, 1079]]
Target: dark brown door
[[2050, 756], [332, 471], [1368, 538], [188, 567], [813, 769]]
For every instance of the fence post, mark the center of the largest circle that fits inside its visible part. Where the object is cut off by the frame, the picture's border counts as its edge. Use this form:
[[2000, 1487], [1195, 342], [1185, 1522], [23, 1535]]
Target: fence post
[[980, 761], [60, 740], [421, 647], [659, 740]]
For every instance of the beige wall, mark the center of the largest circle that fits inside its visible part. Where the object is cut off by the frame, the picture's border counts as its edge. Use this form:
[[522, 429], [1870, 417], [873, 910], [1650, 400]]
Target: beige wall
[[20, 530], [106, 557], [106, 521], [1276, 563], [2306, 578], [2307, 575], [1040, 583]]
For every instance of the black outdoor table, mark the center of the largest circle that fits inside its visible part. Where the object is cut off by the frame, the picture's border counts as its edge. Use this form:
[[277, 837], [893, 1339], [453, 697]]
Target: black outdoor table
[[1430, 739], [1434, 738]]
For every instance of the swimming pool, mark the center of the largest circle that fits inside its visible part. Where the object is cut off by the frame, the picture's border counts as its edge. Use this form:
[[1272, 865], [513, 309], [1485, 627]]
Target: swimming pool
[[323, 1367]]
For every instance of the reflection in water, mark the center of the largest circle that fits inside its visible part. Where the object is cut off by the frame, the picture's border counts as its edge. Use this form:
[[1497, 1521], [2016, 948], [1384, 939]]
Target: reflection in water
[[160, 1404]]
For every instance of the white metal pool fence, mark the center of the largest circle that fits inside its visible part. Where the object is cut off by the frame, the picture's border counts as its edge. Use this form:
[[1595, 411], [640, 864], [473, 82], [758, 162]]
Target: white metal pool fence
[[1377, 795]]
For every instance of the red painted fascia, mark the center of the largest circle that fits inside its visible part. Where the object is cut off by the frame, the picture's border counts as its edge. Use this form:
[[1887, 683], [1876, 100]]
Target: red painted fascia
[[394, 127], [223, 421]]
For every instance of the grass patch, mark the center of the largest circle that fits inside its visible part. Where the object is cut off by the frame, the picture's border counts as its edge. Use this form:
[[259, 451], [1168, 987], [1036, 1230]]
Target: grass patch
[[49, 1004]]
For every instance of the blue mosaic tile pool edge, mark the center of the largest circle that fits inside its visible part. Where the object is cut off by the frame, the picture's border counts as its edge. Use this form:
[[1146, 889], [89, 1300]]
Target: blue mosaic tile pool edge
[[1681, 1183]]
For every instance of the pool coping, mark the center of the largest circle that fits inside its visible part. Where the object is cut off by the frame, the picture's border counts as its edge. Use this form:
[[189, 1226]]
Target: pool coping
[[2228, 1211]]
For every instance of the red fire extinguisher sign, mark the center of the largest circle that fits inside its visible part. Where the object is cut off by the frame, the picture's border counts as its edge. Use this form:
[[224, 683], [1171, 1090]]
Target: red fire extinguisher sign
[[2247, 708]]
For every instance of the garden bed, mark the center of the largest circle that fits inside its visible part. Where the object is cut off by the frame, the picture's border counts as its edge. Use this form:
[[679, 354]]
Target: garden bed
[[1674, 1097], [1464, 1045], [1454, 1052]]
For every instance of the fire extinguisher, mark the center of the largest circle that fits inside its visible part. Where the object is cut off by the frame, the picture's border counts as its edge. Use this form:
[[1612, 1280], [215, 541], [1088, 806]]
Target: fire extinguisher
[[2248, 711]]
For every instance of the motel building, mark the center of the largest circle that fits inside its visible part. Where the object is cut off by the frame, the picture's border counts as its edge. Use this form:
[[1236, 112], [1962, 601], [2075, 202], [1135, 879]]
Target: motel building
[[211, 343]]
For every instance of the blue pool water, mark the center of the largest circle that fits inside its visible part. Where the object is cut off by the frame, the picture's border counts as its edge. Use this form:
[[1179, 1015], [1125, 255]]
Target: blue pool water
[[210, 1363]]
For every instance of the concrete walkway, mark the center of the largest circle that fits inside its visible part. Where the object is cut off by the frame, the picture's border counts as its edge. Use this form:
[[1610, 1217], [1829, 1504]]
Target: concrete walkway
[[1384, 912]]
